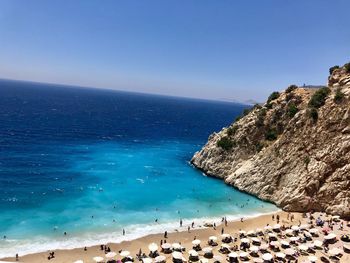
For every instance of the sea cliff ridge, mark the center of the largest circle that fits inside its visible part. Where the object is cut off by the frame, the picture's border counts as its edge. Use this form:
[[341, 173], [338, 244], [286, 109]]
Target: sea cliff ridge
[[294, 150]]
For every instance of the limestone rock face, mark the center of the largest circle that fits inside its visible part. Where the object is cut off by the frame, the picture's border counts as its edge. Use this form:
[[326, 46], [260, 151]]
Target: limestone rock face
[[282, 153]]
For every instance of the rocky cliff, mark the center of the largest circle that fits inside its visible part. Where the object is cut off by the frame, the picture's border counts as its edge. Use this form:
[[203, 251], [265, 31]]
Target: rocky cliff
[[293, 151]]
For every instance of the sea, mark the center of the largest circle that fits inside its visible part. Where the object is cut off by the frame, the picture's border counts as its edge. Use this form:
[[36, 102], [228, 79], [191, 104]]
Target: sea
[[92, 162]]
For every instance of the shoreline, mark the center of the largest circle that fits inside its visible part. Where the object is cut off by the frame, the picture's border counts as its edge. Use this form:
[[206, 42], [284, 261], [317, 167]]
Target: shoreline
[[75, 242], [184, 237]]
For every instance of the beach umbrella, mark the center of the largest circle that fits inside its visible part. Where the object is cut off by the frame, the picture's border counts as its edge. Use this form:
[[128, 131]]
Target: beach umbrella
[[289, 232], [285, 243], [147, 260], [295, 228], [303, 247], [196, 242], [233, 255], [256, 240], [218, 258], [258, 230], [268, 228], [245, 240], [251, 233], [193, 253], [243, 255], [225, 236], [124, 253], [318, 243], [213, 238], [225, 246], [312, 258], [166, 246], [207, 250], [289, 251], [304, 226], [110, 255], [263, 247], [204, 260], [254, 249], [274, 243], [336, 218], [177, 255], [330, 236], [294, 239], [313, 231], [79, 261], [334, 251], [267, 256], [258, 260], [153, 247], [98, 259], [272, 235], [280, 255], [242, 232], [176, 246], [277, 226], [160, 259]]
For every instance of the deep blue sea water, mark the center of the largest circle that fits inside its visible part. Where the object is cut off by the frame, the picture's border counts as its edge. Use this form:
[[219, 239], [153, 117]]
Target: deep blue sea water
[[92, 162]]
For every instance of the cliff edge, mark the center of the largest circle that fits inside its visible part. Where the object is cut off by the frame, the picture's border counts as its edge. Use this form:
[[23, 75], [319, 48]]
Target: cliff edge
[[293, 151]]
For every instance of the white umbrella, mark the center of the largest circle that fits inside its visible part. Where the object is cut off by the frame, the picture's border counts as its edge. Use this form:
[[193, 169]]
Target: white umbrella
[[313, 230], [79, 261], [335, 217], [98, 259], [289, 232], [147, 260], [225, 236], [245, 240], [303, 247], [225, 246], [254, 249], [268, 227], [166, 246], [289, 251], [277, 226], [258, 230], [304, 226], [243, 255], [318, 243], [280, 255], [330, 236], [274, 243], [176, 255], [204, 260], [312, 258], [258, 260], [124, 253], [251, 233], [295, 228], [242, 232], [256, 240], [193, 253], [213, 238], [160, 259], [111, 255], [196, 242], [294, 239], [233, 255], [334, 251], [153, 247], [176, 246], [207, 250], [263, 247], [285, 243], [272, 235], [267, 256]]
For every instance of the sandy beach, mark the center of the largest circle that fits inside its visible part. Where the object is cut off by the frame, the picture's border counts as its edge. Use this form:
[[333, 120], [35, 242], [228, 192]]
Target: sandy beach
[[181, 235]]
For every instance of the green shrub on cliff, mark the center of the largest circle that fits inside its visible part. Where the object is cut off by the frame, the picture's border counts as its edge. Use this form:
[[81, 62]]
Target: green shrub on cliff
[[347, 67], [313, 114], [291, 88], [271, 135], [292, 110], [318, 99], [274, 95], [232, 130], [332, 69], [339, 96], [225, 143]]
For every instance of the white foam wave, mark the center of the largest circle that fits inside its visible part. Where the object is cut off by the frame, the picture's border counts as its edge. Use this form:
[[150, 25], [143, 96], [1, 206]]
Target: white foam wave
[[9, 247]]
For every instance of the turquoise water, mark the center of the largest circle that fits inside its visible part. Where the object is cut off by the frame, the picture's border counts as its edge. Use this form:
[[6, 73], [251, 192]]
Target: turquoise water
[[93, 163]]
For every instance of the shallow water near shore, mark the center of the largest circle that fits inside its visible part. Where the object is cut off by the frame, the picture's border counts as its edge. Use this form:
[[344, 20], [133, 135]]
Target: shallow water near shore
[[92, 162]]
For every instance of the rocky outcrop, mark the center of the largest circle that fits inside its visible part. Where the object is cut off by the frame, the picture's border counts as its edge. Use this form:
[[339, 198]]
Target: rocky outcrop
[[293, 151]]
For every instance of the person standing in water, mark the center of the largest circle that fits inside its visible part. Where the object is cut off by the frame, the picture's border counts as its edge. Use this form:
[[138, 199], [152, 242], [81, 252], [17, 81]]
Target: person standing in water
[[180, 222]]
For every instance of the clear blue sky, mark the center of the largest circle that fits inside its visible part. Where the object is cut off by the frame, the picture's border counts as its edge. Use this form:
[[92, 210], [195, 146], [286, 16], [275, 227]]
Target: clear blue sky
[[206, 49]]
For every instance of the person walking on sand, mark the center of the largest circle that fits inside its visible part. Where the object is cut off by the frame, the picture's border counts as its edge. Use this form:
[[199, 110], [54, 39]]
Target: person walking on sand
[[180, 222], [123, 232], [192, 224], [188, 229], [166, 234], [222, 231]]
